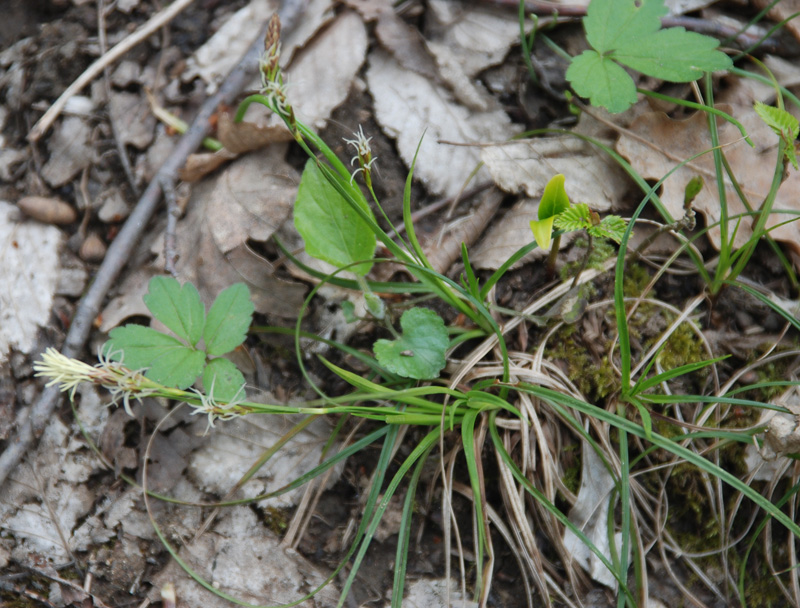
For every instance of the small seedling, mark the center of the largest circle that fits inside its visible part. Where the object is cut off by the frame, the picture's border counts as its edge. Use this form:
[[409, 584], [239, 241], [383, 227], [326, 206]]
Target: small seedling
[[555, 210], [628, 33], [178, 361]]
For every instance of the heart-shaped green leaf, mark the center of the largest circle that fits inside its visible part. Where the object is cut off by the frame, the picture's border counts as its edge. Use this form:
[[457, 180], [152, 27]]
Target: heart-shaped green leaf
[[419, 352]]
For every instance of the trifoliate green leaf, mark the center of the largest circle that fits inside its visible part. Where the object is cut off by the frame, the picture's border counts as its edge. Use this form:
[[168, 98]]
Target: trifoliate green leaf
[[168, 360], [227, 381], [228, 320], [420, 351], [330, 227], [179, 308], [628, 32], [577, 217]]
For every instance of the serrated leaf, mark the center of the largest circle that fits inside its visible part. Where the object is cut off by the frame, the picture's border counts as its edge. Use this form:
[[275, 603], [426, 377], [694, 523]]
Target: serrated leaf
[[628, 32], [609, 23], [783, 124], [780, 121], [577, 217], [179, 308], [228, 320], [227, 381], [330, 227], [673, 54], [420, 351], [612, 227], [167, 359]]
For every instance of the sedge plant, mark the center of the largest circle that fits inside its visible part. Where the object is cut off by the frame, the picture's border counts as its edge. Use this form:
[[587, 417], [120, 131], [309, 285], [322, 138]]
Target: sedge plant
[[512, 406]]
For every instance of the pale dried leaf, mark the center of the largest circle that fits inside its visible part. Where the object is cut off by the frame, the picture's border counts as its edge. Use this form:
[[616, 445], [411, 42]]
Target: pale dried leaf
[[129, 302], [590, 515], [247, 201], [320, 75], [29, 275], [215, 59], [407, 106], [251, 199], [406, 44], [783, 11], [465, 40], [657, 143], [426, 593], [225, 457], [250, 571], [527, 165], [70, 151], [443, 248], [200, 164], [133, 119]]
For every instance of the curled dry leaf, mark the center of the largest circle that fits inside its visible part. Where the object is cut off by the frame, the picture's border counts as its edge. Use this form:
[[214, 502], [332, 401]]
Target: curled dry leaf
[[47, 210], [655, 144], [408, 107]]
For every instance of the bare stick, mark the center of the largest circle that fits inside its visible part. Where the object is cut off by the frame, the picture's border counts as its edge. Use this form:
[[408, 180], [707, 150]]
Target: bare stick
[[120, 249], [156, 22]]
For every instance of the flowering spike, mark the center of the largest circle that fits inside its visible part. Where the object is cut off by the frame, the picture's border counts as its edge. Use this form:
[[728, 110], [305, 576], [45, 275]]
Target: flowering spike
[[363, 156]]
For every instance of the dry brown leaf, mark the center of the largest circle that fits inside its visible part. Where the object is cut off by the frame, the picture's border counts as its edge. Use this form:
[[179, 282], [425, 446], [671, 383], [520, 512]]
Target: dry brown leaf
[[466, 39], [320, 75], [241, 137], [408, 105], [655, 144], [200, 164], [444, 247], [527, 165], [133, 119], [215, 59], [247, 201], [780, 11], [70, 151]]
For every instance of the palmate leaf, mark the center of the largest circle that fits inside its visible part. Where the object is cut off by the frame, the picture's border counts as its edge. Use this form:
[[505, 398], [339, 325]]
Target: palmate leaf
[[168, 360], [628, 32]]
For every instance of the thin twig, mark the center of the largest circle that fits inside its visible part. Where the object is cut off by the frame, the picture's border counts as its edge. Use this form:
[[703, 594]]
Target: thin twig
[[120, 249], [156, 22]]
